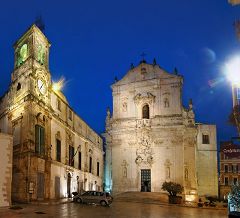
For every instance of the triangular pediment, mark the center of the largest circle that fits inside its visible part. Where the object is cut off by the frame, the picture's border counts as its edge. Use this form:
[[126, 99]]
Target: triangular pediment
[[145, 71]]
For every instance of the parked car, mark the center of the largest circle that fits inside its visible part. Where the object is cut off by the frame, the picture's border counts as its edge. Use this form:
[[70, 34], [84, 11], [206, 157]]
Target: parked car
[[103, 198]]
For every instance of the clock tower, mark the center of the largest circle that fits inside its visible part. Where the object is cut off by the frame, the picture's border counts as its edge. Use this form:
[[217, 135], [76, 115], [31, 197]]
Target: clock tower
[[30, 116]]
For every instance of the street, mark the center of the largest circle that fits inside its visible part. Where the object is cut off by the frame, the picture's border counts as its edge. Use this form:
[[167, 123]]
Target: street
[[117, 209]]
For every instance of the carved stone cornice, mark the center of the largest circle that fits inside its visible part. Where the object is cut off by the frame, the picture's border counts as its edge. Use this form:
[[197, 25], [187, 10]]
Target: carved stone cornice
[[144, 98]]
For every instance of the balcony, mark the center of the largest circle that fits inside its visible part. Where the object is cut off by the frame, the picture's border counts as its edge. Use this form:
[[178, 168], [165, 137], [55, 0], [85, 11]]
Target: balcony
[[143, 123]]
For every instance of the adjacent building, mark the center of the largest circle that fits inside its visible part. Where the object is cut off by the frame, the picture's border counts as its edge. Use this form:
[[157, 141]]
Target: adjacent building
[[6, 142], [151, 137], [54, 151], [229, 166]]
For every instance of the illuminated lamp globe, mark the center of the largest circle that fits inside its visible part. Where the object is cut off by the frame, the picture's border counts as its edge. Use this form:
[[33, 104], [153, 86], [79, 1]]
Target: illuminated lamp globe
[[232, 71]]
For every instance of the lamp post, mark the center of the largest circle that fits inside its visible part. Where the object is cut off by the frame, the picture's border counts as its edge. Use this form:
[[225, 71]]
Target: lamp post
[[232, 71]]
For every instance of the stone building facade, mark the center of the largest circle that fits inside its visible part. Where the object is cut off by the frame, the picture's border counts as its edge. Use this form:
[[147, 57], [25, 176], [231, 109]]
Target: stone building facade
[[6, 144], [152, 138], [54, 151], [229, 156]]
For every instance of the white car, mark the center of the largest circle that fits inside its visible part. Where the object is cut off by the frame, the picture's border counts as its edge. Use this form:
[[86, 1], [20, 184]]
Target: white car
[[103, 198]]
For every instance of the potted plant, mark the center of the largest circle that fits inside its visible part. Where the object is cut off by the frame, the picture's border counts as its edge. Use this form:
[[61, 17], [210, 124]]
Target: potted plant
[[234, 201], [173, 189]]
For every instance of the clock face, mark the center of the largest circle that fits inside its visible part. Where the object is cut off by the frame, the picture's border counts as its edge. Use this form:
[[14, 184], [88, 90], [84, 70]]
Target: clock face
[[42, 86]]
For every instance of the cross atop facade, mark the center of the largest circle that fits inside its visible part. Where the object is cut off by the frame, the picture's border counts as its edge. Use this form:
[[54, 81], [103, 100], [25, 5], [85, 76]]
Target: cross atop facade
[[143, 55], [143, 58]]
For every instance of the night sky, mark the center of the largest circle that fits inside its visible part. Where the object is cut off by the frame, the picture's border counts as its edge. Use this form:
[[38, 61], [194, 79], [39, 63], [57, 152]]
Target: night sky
[[94, 41]]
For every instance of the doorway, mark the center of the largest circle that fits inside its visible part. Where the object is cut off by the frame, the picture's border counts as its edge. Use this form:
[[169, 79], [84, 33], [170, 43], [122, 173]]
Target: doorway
[[40, 186], [57, 187], [145, 180], [69, 178]]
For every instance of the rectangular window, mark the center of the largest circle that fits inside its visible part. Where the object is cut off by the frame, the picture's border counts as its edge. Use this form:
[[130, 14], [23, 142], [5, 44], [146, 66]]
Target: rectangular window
[[226, 168], [70, 115], [39, 140], [226, 180], [235, 180], [97, 168], [205, 139], [79, 160], [90, 165], [58, 149], [71, 156], [59, 104]]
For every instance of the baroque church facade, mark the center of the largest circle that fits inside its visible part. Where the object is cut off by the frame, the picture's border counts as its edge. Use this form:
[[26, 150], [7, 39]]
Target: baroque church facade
[[152, 138], [54, 151]]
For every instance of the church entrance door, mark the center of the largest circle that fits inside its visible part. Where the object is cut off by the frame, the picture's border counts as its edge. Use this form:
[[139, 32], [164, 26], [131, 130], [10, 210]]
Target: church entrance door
[[145, 180]]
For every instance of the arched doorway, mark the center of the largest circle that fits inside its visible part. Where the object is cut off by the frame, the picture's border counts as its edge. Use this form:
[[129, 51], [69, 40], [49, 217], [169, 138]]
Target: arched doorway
[[69, 178]]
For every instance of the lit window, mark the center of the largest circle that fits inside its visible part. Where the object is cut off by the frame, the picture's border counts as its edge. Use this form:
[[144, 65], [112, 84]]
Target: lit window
[[205, 139], [235, 168], [145, 112]]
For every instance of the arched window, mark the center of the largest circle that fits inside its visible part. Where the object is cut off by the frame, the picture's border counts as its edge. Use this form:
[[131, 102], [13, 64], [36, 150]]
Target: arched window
[[18, 86], [145, 112]]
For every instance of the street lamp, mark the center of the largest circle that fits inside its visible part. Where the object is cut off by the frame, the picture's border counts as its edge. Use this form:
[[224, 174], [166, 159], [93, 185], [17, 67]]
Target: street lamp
[[232, 72], [57, 86]]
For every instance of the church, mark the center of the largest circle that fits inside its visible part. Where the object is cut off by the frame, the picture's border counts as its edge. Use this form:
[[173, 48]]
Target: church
[[152, 138], [54, 151]]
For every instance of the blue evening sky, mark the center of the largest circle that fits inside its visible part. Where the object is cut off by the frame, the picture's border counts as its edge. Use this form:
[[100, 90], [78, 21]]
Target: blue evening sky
[[93, 41]]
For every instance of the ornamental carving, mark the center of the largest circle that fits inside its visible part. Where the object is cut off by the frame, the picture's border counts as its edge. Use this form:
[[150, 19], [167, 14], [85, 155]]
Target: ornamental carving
[[144, 151], [144, 98]]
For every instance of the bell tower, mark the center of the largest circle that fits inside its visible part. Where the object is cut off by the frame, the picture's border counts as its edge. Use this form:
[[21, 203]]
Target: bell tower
[[32, 47], [31, 65]]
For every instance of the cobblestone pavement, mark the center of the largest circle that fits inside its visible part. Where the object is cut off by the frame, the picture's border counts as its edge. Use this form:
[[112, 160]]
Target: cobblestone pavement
[[116, 210]]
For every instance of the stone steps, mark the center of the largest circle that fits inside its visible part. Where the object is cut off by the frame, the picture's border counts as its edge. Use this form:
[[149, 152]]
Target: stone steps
[[142, 197]]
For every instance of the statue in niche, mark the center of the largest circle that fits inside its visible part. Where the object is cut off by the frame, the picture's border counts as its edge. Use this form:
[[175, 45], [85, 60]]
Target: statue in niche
[[108, 117], [124, 168], [166, 102], [168, 169], [124, 107], [168, 173]]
